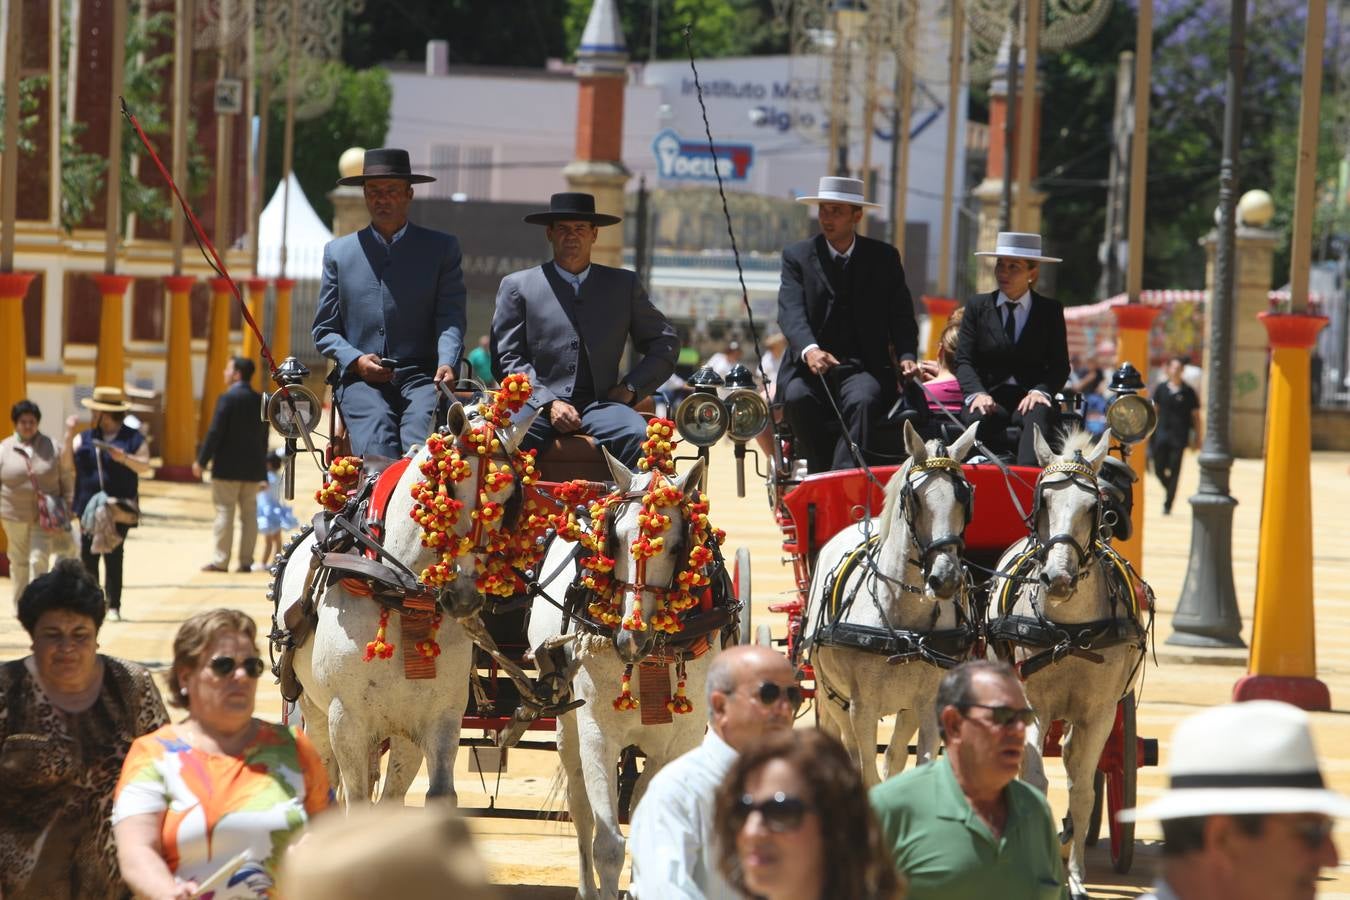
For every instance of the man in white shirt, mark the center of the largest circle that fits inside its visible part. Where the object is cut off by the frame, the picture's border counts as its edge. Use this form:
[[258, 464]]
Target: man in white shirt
[[751, 690], [1247, 815]]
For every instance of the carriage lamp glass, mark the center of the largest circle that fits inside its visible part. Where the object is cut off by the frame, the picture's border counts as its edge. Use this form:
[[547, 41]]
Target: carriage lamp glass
[[701, 419], [1131, 418], [748, 412], [296, 418]]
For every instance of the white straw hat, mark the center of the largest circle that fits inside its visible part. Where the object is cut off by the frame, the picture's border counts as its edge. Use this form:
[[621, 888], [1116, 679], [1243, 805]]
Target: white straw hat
[[1020, 245], [1239, 759], [840, 190]]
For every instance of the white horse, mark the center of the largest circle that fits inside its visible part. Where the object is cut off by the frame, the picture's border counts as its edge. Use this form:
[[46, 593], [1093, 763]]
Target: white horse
[[591, 738], [913, 586], [351, 705], [1090, 655]]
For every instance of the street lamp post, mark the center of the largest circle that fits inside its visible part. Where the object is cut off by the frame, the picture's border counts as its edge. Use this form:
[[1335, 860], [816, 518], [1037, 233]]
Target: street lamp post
[[1207, 613]]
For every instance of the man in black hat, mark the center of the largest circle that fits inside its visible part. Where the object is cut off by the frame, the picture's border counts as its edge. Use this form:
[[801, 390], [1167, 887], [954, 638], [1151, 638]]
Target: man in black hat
[[565, 324], [391, 313]]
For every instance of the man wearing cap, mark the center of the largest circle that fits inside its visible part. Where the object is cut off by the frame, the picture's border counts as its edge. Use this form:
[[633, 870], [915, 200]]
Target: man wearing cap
[[391, 313], [964, 827], [1012, 353], [848, 315], [1246, 815], [566, 323]]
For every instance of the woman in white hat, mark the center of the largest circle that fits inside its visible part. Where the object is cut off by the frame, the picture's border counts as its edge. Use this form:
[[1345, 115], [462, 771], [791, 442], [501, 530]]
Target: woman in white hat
[[1246, 815], [1012, 355], [110, 457]]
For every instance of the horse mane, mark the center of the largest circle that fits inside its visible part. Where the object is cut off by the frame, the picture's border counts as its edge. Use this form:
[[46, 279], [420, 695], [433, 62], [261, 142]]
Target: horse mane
[[1076, 440]]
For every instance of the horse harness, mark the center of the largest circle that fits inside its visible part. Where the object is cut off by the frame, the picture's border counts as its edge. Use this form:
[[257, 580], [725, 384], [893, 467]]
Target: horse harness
[[1054, 640], [945, 648]]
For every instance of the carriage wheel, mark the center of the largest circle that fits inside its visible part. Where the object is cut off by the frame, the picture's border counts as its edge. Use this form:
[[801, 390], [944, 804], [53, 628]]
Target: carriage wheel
[[1120, 789], [741, 580]]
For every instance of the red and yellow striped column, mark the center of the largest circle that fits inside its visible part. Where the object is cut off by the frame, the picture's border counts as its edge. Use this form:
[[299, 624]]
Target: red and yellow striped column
[[217, 352], [940, 311], [1134, 321], [1283, 661], [110, 367], [257, 298], [180, 425], [13, 361], [281, 321]]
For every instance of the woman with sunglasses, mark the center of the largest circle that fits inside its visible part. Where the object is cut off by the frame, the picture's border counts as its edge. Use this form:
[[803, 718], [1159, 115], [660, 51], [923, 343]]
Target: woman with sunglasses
[[217, 795], [67, 716], [793, 823]]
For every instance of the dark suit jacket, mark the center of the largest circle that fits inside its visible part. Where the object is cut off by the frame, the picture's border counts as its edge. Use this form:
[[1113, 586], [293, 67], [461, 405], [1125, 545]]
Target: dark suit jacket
[[985, 358], [533, 331], [879, 298], [407, 303], [237, 438]]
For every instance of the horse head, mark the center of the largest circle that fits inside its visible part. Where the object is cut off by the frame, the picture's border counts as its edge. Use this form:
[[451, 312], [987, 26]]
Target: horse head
[[486, 489], [932, 500], [646, 558], [1066, 513]]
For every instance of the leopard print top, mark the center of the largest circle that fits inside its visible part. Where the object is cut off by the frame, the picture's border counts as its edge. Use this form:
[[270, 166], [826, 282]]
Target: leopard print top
[[57, 774]]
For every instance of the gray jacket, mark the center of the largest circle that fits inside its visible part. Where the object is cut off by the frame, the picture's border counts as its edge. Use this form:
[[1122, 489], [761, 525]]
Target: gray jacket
[[407, 303], [533, 331]]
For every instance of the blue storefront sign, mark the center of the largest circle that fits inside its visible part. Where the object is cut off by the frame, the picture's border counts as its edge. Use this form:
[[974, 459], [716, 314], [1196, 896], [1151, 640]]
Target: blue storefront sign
[[691, 160]]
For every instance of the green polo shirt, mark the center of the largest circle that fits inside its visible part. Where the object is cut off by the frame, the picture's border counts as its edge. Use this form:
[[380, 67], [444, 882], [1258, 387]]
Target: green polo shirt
[[946, 851]]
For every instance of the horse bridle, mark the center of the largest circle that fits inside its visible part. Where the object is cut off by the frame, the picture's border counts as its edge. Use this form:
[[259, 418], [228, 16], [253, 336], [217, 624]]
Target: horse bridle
[[1079, 475], [965, 495], [639, 585]]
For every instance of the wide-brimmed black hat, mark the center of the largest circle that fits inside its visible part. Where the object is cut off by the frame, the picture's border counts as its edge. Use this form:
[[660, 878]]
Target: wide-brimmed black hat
[[386, 162], [573, 207]]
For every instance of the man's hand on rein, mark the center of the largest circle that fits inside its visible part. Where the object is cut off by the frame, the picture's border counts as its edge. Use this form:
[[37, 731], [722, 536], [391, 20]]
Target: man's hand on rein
[[368, 368]]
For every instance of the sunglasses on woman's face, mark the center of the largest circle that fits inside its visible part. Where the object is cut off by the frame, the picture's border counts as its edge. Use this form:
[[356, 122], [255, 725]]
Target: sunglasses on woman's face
[[225, 666], [770, 693], [780, 812]]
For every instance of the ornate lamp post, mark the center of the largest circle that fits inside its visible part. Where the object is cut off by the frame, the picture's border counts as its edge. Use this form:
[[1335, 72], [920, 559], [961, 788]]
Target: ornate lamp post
[[1207, 613]]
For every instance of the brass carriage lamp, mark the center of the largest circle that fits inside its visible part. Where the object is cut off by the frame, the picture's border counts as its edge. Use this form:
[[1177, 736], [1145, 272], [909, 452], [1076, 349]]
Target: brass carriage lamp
[[749, 414], [293, 412], [716, 407], [701, 418], [1130, 415]]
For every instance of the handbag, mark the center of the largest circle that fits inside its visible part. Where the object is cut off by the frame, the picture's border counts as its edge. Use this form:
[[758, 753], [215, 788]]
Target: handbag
[[124, 510], [52, 509]]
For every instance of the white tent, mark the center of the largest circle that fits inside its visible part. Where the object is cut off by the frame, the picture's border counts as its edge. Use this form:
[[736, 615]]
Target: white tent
[[305, 236]]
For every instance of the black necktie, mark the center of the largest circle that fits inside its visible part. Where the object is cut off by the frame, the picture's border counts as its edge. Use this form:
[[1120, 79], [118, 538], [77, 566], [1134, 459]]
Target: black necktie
[[1009, 323], [840, 267]]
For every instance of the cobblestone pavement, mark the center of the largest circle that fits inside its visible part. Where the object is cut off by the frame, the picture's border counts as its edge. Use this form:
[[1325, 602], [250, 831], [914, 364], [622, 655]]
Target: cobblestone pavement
[[163, 586]]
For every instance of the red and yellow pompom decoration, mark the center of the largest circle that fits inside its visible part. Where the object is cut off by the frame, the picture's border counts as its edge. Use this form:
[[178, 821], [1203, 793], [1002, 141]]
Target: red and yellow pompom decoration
[[658, 448], [380, 646], [626, 700], [680, 704], [428, 647], [343, 474]]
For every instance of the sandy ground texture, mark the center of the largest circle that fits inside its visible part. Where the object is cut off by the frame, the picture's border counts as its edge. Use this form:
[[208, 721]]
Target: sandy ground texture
[[537, 859]]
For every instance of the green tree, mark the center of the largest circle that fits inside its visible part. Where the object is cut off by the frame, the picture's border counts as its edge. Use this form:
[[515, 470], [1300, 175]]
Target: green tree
[[524, 34], [717, 27], [359, 117]]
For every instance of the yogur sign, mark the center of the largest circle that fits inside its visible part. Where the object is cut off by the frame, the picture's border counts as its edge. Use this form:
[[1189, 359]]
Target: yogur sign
[[691, 160]]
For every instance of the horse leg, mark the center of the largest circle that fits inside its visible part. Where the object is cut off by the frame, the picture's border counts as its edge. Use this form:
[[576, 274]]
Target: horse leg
[[1033, 766], [599, 763], [897, 751], [440, 743], [583, 820], [929, 739], [316, 729], [863, 715], [405, 760], [1082, 750], [352, 746]]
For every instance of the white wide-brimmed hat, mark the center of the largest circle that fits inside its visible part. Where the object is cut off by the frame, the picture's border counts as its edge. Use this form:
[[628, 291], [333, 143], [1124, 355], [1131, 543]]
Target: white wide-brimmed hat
[[1239, 759], [840, 190], [107, 399], [1019, 245]]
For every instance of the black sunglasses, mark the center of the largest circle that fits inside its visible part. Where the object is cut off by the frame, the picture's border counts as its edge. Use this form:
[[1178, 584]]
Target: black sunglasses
[[769, 694], [780, 812], [1313, 832], [225, 666], [1003, 716]]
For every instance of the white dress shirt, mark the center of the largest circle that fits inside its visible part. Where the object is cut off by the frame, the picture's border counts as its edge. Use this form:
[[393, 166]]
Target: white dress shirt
[[1021, 310], [671, 833], [575, 279], [392, 241]]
